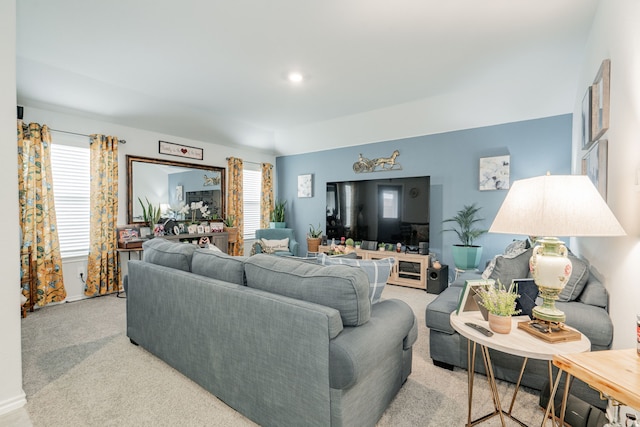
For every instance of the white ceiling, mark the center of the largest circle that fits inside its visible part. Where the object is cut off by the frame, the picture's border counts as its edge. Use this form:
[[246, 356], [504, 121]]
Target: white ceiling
[[216, 70]]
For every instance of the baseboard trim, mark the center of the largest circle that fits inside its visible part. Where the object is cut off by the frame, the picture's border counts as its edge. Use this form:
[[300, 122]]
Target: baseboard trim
[[13, 403]]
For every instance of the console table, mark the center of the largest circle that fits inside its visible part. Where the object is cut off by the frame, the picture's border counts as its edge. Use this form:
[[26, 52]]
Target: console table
[[408, 270], [220, 238]]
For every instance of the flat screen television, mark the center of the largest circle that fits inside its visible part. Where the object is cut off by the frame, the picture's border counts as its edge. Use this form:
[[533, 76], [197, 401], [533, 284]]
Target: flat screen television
[[392, 210]]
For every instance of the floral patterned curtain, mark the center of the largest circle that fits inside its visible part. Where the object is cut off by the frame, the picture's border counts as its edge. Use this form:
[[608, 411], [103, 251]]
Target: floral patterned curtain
[[37, 213], [266, 204], [103, 269], [235, 201]]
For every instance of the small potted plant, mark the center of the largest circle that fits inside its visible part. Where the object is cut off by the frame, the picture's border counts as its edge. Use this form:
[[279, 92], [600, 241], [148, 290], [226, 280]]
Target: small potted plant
[[358, 244], [349, 245], [277, 215], [500, 302], [381, 246], [314, 238], [230, 228], [150, 214]]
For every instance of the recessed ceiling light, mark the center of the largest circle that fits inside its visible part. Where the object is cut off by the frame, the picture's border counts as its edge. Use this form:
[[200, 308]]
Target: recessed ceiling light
[[295, 77]]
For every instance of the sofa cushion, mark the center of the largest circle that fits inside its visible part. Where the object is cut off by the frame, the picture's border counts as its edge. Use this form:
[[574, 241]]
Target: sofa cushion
[[170, 254], [514, 249], [507, 269], [341, 287], [594, 293], [577, 280], [218, 265], [378, 271]]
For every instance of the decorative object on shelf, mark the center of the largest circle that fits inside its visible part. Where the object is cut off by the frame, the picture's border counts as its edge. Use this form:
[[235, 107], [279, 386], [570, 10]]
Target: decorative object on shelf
[[229, 226], [150, 214], [180, 150], [382, 246], [211, 180], [314, 238], [217, 227], [466, 255], [554, 205], [277, 215], [587, 118], [500, 303], [379, 164], [600, 100], [494, 173], [305, 185], [199, 206], [594, 165]]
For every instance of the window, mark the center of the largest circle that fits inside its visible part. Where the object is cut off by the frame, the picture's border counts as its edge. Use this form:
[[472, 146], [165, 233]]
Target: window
[[390, 203], [251, 189], [70, 170]]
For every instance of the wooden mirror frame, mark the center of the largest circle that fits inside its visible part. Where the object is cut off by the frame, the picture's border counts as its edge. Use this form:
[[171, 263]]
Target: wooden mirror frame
[[130, 184]]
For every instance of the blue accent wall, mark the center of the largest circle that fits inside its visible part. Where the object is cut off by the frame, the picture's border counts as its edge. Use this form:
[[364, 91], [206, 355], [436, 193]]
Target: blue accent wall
[[451, 159]]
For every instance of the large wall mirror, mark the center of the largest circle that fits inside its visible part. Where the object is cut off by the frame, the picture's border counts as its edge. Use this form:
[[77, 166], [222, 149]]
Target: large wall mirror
[[169, 184]]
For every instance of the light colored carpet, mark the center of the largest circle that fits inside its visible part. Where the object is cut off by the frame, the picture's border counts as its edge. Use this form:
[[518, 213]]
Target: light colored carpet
[[80, 370]]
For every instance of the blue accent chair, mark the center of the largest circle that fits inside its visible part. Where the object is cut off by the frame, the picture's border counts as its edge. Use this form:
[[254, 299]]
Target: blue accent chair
[[278, 234]]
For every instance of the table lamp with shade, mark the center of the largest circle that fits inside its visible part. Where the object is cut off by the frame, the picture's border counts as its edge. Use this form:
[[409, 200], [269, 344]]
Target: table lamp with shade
[[554, 205]]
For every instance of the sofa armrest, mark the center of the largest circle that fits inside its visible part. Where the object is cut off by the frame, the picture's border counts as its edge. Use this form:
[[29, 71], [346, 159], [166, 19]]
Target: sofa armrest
[[592, 321], [293, 247], [359, 350]]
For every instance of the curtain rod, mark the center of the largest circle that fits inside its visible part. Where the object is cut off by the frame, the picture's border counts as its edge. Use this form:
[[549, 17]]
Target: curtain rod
[[121, 141], [247, 161]]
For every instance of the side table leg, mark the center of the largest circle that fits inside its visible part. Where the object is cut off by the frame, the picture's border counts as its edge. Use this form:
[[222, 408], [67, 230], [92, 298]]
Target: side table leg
[[471, 361], [550, 404], [492, 382]]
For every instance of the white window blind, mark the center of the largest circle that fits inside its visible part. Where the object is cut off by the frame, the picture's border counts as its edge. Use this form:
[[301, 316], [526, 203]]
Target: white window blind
[[70, 169], [251, 188]]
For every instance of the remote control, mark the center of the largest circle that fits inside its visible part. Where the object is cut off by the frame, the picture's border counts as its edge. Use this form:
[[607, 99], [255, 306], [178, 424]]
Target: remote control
[[480, 329]]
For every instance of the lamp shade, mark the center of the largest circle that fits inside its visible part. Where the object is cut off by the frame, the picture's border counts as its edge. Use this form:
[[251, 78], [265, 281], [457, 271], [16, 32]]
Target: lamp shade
[[556, 205]]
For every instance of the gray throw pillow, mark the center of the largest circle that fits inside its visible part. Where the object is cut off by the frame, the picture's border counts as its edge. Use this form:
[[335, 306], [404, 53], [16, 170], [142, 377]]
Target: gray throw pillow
[[577, 280], [508, 269]]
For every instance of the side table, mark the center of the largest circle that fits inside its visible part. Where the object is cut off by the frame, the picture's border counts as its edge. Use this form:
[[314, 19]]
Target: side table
[[517, 343], [615, 373]]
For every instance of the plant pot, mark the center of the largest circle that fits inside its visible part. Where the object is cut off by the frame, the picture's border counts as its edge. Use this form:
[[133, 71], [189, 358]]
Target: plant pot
[[313, 243], [277, 225], [466, 257], [500, 324], [232, 233]]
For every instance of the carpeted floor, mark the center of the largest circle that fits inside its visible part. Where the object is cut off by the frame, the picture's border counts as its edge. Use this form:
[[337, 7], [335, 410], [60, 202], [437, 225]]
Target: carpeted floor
[[80, 370]]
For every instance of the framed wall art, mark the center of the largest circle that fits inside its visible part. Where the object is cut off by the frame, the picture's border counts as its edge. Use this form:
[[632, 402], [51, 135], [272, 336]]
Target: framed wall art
[[587, 120], [594, 165], [179, 150], [305, 185], [494, 173], [600, 99]]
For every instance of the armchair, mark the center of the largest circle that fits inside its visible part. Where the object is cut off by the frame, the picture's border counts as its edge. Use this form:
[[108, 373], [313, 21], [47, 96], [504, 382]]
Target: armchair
[[278, 234]]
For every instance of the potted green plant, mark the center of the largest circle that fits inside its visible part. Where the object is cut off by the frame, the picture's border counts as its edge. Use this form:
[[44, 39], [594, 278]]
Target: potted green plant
[[314, 238], [277, 215], [500, 303], [229, 226], [466, 255], [150, 214], [381, 246], [358, 244]]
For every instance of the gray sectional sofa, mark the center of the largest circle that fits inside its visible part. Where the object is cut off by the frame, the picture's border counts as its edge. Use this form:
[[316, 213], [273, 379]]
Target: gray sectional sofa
[[283, 341], [584, 301]]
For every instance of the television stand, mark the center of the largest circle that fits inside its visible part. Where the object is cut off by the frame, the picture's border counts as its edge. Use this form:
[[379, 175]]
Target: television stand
[[409, 269]]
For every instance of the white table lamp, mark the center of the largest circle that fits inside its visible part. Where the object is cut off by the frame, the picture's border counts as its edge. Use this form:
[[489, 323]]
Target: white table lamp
[[554, 205]]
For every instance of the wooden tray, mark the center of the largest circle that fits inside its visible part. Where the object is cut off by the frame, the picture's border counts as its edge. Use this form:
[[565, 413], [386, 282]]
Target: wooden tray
[[562, 335]]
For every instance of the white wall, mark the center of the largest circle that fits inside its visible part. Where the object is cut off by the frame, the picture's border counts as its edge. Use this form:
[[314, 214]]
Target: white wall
[[139, 143], [11, 394], [616, 35]]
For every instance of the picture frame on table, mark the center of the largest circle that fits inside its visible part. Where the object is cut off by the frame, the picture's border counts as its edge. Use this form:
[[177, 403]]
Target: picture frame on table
[[600, 101], [466, 301], [594, 165], [587, 119]]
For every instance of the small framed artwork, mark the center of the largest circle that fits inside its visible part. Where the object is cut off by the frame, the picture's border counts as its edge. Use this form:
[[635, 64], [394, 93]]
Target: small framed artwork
[[494, 173], [179, 150], [200, 229], [587, 119], [600, 99], [594, 165], [305, 185]]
